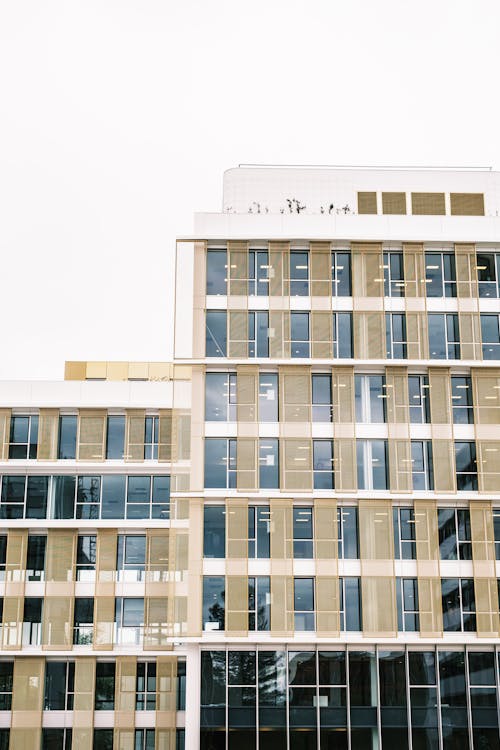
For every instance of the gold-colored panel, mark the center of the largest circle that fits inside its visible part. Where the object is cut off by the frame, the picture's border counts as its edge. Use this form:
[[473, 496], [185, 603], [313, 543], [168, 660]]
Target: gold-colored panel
[[279, 334], [236, 532], [48, 432], [166, 692], [247, 475], [486, 396], [467, 204], [135, 430], [194, 611], [394, 203], [75, 370], [440, 395], [321, 269], [483, 539], [279, 269], [281, 530], [321, 334], [237, 258], [428, 204], [378, 596], [466, 273], [282, 612], [13, 603], [156, 623], [428, 570], [117, 371], [369, 335], [486, 599], [137, 371], [367, 270], [344, 461], [376, 536], [343, 395], [470, 336], [247, 389], [414, 271], [396, 385], [376, 551], [83, 713], [400, 465], [327, 606], [326, 532], [296, 464], [91, 435], [443, 460], [488, 465], [295, 394], [417, 337], [96, 370], [430, 607], [4, 433], [367, 202], [238, 334], [57, 630], [166, 450], [237, 606]]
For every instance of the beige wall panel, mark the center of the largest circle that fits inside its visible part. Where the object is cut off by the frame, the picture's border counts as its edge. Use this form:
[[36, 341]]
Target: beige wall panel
[[369, 335], [443, 459], [13, 603], [367, 270], [326, 532], [416, 335], [197, 429], [4, 433], [91, 444], [465, 264], [414, 270], [166, 692], [237, 258], [157, 625], [467, 204], [104, 604], [247, 393], [282, 615], [321, 334], [378, 596], [470, 336], [236, 532], [483, 539], [199, 298], [57, 629], [61, 557], [430, 607], [160, 553], [488, 465], [75, 370], [400, 466], [48, 433], [321, 269], [27, 702], [428, 204], [486, 596], [440, 395], [166, 450], [396, 380], [376, 549], [247, 474], [344, 461], [279, 334], [237, 606], [486, 397], [83, 713], [367, 202], [295, 394], [238, 334], [394, 203], [12, 622], [135, 430], [279, 269], [296, 463], [428, 568], [343, 395], [327, 606], [195, 567]]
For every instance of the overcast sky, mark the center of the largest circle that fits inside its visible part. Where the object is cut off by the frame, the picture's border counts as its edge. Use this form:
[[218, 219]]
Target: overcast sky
[[118, 118]]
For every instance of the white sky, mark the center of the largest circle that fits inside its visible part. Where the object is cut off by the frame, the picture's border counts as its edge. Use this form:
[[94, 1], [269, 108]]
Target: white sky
[[118, 117]]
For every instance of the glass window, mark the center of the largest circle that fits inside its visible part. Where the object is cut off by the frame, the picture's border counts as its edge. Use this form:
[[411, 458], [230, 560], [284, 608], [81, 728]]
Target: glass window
[[220, 463], [138, 496], [86, 548], [67, 437], [213, 679], [299, 273], [216, 271], [341, 273], [83, 622], [259, 522], [88, 498], [459, 608], [407, 605], [372, 464], [302, 533], [490, 335], [347, 528], [422, 467], [58, 694], [369, 398], [440, 276], [145, 686], [496, 529], [220, 397], [258, 271], [350, 604], [342, 335], [113, 496], [129, 620], [454, 534], [6, 682], [394, 284], [35, 558], [37, 489], [444, 336], [487, 276], [395, 335], [322, 408], [32, 621], [103, 739], [181, 685], [3, 556], [268, 464], [144, 739], [131, 558], [56, 738], [213, 602], [299, 334], [12, 500], [115, 437], [258, 334], [303, 598], [23, 437], [259, 603], [466, 466], [216, 333], [151, 435], [453, 699], [418, 396], [214, 531], [105, 686], [268, 397], [461, 399], [404, 534], [323, 464], [160, 497]]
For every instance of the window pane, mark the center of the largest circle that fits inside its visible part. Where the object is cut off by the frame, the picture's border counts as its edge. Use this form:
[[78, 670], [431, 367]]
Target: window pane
[[115, 437], [113, 496], [216, 396], [63, 496], [299, 332], [213, 602], [343, 329], [216, 271], [216, 333], [437, 338], [214, 531], [36, 497], [215, 462], [268, 397], [268, 464], [67, 437]]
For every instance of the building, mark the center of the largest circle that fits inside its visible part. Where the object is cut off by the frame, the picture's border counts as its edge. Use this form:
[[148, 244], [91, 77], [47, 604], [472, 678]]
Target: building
[[287, 538]]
